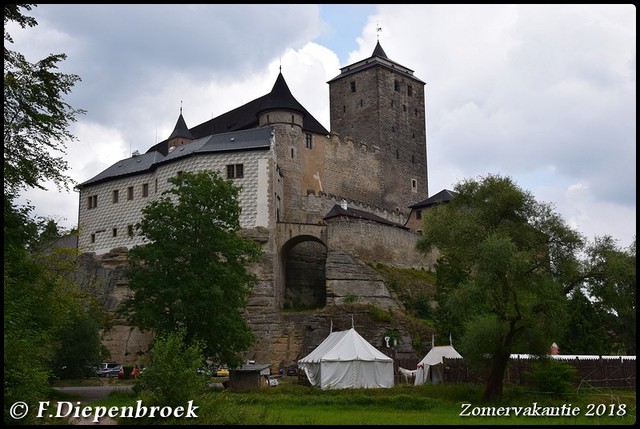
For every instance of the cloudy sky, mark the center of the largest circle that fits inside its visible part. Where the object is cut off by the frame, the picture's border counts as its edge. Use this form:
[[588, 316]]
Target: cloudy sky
[[544, 94]]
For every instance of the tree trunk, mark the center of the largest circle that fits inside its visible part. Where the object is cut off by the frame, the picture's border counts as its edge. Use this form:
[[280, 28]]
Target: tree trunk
[[493, 390]]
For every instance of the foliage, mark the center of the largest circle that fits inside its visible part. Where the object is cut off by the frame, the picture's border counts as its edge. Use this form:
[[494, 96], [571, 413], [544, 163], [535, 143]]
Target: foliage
[[553, 377], [171, 377], [414, 288], [80, 347], [587, 331], [36, 117], [38, 296], [193, 270], [350, 298], [503, 262], [611, 282]]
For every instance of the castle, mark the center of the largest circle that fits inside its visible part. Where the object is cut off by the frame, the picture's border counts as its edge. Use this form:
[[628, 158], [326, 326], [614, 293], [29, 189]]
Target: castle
[[323, 204]]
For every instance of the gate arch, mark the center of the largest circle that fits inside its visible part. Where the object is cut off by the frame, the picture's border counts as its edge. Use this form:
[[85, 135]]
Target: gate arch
[[303, 264]]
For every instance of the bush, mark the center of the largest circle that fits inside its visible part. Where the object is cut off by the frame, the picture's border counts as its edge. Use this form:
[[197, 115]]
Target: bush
[[553, 377], [171, 377]]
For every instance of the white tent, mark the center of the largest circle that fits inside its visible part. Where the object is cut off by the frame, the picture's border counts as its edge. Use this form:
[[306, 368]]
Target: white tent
[[346, 360], [430, 368]]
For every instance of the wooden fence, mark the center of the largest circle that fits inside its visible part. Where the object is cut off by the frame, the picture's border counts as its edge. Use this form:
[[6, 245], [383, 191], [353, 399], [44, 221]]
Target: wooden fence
[[612, 373]]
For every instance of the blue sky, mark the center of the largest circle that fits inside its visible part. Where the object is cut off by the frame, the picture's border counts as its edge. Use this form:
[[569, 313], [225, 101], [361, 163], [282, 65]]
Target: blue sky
[[545, 94]]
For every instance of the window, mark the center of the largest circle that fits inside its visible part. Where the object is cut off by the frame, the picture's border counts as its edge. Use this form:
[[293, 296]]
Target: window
[[130, 230], [155, 187], [409, 90], [235, 171], [308, 141], [130, 193], [114, 232], [115, 196], [414, 185], [396, 85], [353, 86], [418, 214], [93, 238], [145, 189], [92, 202]]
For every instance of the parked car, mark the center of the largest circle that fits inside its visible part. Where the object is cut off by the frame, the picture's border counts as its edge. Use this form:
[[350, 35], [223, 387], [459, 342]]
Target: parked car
[[222, 371], [109, 370]]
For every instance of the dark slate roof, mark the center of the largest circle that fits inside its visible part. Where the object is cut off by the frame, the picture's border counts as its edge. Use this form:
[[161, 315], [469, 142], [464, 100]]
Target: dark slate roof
[[246, 116], [443, 196], [338, 211], [254, 139], [377, 58], [251, 367], [181, 130], [378, 51]]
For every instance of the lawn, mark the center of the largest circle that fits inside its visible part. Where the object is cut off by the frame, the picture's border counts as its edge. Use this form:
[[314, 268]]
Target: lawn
[[292, 404]]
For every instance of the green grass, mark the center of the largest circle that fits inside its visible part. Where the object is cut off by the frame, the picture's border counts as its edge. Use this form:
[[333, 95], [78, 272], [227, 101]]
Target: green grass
[[294, 404]]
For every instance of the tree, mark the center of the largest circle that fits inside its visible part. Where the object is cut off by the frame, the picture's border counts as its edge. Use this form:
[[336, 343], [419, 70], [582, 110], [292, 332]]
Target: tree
[[37, 294], [36, 117], [610, 280], [503, 261], [193, 272]]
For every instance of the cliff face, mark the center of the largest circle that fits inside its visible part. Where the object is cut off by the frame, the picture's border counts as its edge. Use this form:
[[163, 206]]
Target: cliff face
[[356, 295]]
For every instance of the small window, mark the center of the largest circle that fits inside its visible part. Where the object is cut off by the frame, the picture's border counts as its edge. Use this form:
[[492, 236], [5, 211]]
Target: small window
[[414, 185], [397, 154], [235, 171], [114, 232], [396, 85], [130, 193], [404, 108], [353, 86], [145, 189], [130, 230], [409, 90], [344, 109], [418, 214], [292, 153], [92, 202], [155, 186], [413, 159], [308, 140], [115, 196], [93, 238]]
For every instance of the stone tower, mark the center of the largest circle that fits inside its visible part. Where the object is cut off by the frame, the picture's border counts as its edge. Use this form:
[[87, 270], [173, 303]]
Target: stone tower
[[381, 104]]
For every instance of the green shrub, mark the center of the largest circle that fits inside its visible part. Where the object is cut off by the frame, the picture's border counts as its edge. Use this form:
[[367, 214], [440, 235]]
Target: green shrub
[[350, 298], [171, 377], [553, 377]]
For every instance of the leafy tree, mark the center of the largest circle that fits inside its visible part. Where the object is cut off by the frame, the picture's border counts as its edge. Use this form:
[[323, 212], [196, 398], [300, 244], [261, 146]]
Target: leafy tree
[[36, 117], [611, 281], [37, 295], [503, 262], [193, 273], [587, 331], [80, 347]]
